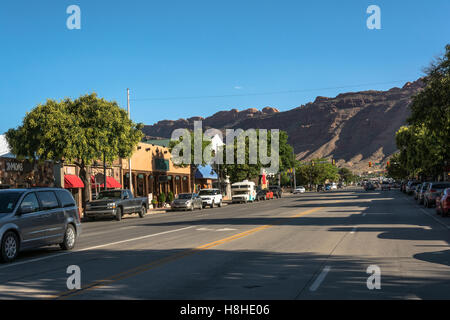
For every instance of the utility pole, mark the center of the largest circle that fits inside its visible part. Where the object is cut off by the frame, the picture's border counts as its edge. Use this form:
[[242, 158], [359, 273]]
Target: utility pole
[[129, 159], [104, 171], [293, 169]]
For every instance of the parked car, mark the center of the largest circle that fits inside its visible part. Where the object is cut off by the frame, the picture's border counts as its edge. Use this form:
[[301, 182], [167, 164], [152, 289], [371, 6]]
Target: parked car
[[277, 192], [187, 201], [300, 189], [410, 187], [31, 218], [385, 185], [432, 191], [369, 187], [211, 197], [416, 191], [443, 203], [264, 194], [421, 192], [115, 203]]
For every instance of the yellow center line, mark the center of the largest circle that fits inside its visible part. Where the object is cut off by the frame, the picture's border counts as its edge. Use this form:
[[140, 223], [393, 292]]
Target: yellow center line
[[176, 256]]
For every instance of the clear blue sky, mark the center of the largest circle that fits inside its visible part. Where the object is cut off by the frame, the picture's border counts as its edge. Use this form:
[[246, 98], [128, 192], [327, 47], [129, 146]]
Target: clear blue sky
[[169, 49]]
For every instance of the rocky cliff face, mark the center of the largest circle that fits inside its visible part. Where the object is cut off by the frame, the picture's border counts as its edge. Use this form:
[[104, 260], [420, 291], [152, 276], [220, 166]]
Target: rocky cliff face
[[353, 128]]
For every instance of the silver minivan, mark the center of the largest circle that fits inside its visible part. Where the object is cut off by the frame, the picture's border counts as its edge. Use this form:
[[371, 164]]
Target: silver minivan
[[31, 218]]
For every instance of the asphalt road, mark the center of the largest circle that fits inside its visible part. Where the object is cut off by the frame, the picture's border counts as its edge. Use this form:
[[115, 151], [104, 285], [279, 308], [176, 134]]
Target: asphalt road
[[309, 246]]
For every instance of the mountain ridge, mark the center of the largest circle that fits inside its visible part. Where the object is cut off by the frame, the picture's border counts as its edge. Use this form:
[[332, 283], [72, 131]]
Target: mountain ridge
[[353, 128]]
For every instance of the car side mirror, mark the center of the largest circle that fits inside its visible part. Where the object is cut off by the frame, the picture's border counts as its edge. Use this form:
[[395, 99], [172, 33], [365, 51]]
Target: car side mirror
[[26, 209]]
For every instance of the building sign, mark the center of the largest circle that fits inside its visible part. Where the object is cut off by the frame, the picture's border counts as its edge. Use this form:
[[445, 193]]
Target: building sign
[[162, 164], [163, 179], [14, 166]]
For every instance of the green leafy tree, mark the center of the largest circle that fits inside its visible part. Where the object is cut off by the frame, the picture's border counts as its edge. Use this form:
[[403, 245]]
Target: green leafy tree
[[424, 143], [80, 131]]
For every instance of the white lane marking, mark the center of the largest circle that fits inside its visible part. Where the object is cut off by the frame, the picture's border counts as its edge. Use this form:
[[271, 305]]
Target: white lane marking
[[436, 219], [91, 248], [320, 279], [219, 230]]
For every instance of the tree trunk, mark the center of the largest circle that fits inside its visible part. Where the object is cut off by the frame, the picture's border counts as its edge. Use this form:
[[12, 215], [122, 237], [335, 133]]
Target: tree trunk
[[84, 175]]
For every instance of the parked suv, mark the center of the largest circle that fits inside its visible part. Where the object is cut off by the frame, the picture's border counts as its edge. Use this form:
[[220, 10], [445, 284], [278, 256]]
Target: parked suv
[[31, 218], [432, 191], [211, 197], [421, 192]]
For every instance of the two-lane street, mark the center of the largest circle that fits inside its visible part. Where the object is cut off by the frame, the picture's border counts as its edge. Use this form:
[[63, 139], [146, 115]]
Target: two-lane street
[[307, 246]]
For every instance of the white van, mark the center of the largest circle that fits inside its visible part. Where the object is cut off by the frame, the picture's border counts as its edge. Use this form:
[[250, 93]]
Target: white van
[[244, 191]]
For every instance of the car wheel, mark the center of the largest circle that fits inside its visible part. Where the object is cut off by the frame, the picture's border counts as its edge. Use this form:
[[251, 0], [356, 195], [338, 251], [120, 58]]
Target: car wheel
[[142, 212], [69, 238], [119, 214], [9, 247]]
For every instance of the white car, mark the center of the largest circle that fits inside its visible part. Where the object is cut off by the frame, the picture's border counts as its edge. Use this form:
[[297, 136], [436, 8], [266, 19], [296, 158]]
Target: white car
[[211, 197], [299, 190]]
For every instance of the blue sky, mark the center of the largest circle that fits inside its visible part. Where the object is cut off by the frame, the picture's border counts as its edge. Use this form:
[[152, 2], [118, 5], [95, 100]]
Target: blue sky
[[176, 49]]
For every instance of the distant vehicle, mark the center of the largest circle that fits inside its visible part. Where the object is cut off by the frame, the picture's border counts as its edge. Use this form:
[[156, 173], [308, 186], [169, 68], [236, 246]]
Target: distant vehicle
[[277, 192], [340, 186], [211, 197], [432, 191], [187, 201], [421, 192], [244, 191], [300, 189], [327, 187], [116, 203], [31, 218], [333, 186], [264, 194], [385, 185], [443, 203], [410, 187], [369, 186], [320, 187]]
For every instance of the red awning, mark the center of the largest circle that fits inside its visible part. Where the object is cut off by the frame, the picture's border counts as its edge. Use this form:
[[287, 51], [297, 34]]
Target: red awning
[[72, 182], [111, 183]]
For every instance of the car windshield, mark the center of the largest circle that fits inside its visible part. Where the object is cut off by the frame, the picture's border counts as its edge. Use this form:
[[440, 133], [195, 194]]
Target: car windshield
[[8, 201], [107, 195], [240, 192], [207, 192], [185, 196]]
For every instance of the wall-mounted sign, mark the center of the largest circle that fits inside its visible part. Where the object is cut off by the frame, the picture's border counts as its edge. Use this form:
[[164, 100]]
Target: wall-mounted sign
[[14, 166], [162, 164], [163, 178]]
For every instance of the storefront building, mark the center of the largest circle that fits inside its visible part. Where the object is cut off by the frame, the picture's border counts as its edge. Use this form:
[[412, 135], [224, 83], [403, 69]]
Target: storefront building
[[25, 174], [153, 172]]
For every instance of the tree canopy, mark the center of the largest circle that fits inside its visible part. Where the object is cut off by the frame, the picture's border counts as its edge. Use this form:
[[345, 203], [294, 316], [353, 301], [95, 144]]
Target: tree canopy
[[424, 143]]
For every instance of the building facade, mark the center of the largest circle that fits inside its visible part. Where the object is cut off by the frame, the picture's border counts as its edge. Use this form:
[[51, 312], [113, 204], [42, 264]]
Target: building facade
[[153, 172]]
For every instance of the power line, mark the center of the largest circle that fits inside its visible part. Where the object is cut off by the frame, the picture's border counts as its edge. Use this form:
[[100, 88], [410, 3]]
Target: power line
[[266, 93]]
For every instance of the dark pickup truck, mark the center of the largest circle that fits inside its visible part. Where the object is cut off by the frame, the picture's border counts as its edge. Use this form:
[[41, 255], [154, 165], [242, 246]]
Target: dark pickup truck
[[115, 203]]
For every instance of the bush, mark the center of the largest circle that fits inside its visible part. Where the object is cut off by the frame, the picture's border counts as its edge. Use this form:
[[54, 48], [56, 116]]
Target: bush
[[162, 198], [170, 197]]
